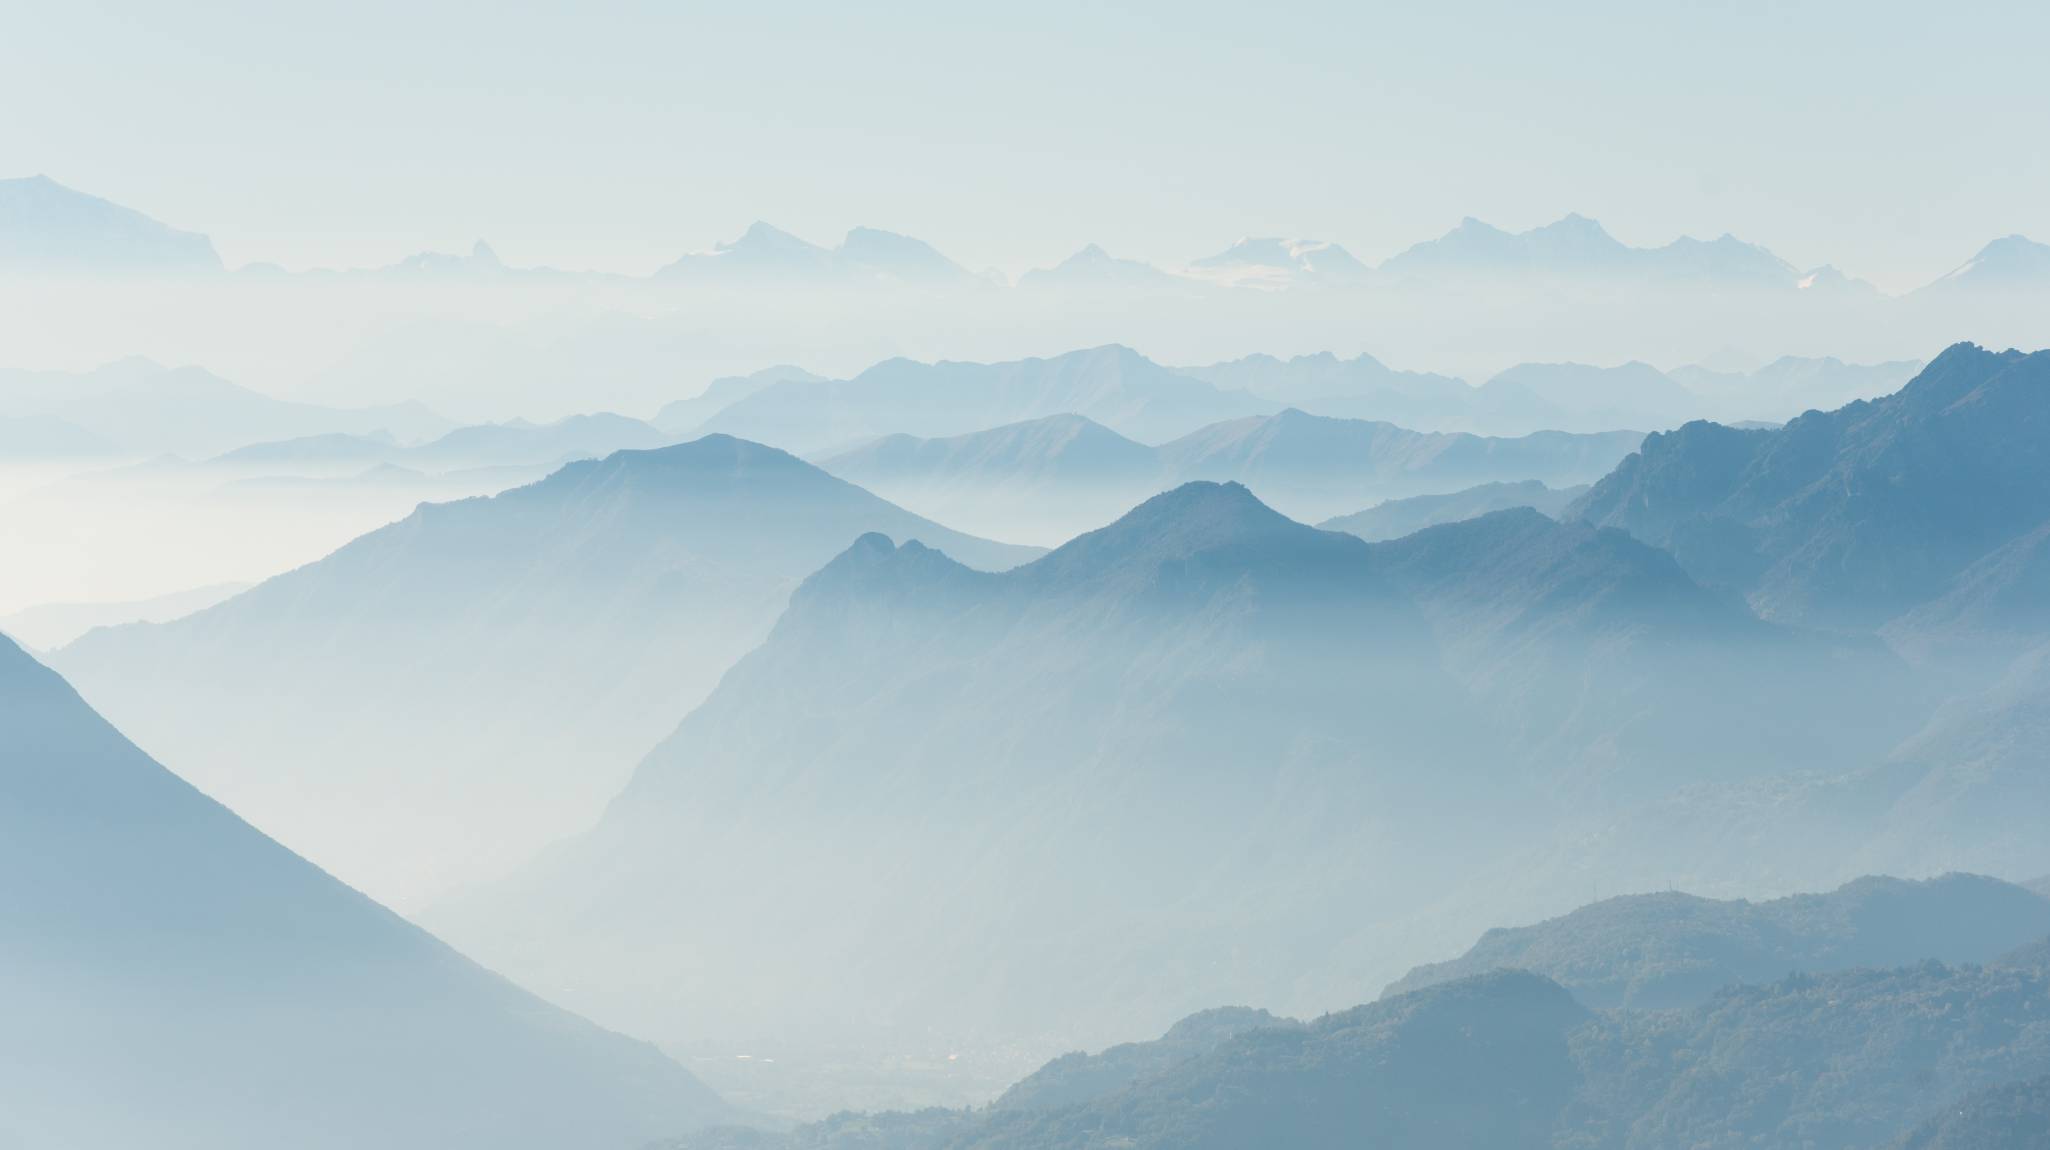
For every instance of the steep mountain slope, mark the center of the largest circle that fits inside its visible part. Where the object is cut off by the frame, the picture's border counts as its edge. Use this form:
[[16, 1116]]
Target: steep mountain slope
[[1055, 799], [483, 673], [1852, 517], [173, 978], [1313, 467], [47, 228], [1114, 386], [1394, 518], [1658, 951]]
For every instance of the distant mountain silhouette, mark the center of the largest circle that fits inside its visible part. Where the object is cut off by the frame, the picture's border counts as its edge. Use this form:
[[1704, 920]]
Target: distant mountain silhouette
[[765, 255], [1043, 479], [1660, 951], [52, 625], [484, 672], [1790, 385], [46, 437], [518, 444], [681, 416], [1852, 517], [1577, 397], [1271, 262], [1048, 479], [176, 979], [47, 228], [1094, 268], [138, 407], [1114, 386], [1358, 388], [1577, 248], [1316, 467], [2011, 263], [1394, 518]]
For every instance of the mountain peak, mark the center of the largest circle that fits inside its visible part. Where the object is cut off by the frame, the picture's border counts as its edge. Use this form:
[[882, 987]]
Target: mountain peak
[[1192, 519]]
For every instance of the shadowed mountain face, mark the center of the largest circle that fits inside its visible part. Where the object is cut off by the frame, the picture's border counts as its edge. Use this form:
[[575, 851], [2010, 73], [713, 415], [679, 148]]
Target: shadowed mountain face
[[1011, 801], [1113, 385], [173, 978], [1657, 951], [1853, 517], [483, 673]]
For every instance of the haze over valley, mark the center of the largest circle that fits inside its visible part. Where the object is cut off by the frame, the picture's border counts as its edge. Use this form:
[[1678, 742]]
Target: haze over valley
[[1049, 577]]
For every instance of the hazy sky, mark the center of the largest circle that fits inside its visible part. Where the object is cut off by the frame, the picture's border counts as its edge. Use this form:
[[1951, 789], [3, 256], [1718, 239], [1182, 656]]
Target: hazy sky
[[1890, 139]]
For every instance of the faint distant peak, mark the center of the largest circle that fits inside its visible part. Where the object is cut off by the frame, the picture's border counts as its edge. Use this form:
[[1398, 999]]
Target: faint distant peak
[[48, 227], [2008, 262]]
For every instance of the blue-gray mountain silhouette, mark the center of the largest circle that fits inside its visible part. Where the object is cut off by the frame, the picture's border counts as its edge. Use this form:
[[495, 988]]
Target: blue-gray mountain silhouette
[[47, 228], [483, 673], [173, 978]]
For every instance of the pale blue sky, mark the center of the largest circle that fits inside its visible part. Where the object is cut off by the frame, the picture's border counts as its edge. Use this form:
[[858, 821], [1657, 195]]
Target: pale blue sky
[[1890, 139]]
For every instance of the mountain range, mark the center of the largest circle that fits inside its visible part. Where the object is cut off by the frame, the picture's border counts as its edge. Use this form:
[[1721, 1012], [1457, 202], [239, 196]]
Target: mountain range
[[174, 978], [1114, 386], [986, 798], [46, 227], [1048, 479], [484, 672], [767, 255]]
